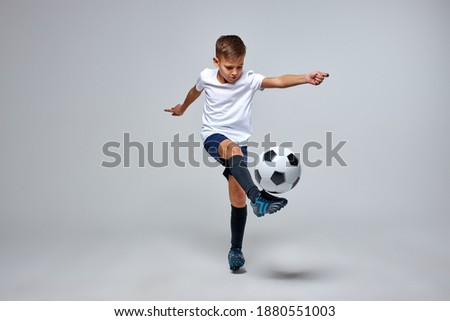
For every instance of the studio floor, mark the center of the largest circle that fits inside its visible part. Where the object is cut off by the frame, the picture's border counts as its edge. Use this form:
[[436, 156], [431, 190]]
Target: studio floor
[[287, 259]]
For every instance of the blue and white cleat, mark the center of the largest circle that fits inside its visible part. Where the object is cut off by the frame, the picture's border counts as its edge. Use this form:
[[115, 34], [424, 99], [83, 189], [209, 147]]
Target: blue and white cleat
[[266, 203]]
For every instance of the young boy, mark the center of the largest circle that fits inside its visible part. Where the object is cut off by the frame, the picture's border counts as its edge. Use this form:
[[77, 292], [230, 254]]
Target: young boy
[[229, 91]]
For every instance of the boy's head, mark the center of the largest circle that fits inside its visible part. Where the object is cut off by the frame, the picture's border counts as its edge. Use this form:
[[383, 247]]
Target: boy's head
[[230, 47], [230, 54]]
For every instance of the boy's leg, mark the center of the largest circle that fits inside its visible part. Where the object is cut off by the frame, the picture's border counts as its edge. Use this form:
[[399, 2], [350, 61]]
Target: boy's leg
[[261, 201], [237, 195], [238, 201], [234, 157], [238, 219]]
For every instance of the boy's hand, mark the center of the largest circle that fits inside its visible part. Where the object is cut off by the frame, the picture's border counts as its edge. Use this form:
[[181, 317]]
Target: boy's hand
[[177, 110], [316, 77]]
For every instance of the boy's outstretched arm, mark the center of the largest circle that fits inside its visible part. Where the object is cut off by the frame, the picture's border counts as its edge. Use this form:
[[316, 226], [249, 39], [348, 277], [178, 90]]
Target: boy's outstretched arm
[[314, 78], [179, 110]]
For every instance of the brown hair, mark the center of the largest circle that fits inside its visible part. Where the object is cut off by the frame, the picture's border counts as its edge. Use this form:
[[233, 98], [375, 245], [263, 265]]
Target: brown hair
[[230, 46]]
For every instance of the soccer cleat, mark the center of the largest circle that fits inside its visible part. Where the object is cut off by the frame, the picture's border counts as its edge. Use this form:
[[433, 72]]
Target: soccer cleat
[[235, 258], [266, 203]]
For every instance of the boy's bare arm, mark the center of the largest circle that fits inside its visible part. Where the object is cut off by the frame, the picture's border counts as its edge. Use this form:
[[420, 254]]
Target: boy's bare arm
[[314, 78], [179, 110]]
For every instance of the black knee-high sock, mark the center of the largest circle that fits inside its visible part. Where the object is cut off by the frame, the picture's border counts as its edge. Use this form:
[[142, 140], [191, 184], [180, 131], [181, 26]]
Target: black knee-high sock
[[240, 172], [238, 220]]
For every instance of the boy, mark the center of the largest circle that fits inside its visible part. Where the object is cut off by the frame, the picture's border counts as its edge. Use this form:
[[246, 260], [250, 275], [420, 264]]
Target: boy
[[226, 128]]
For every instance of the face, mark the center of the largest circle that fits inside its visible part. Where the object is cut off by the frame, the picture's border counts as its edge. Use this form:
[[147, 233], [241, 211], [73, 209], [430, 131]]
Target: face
[[230, 69]]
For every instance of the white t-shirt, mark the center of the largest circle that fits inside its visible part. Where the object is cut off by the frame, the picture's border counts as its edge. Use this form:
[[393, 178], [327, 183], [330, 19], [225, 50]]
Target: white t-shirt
[[227, 108]]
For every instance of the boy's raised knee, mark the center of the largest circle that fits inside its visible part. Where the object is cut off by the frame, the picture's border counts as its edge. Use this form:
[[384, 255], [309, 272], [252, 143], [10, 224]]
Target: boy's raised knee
[[229, 149]]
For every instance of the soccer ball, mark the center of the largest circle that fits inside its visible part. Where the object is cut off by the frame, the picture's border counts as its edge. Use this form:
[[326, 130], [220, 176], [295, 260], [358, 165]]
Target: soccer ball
[[278, 170]]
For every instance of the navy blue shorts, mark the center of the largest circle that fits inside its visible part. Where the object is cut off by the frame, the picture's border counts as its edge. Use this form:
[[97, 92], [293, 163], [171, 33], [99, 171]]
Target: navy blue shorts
[[211, 145]]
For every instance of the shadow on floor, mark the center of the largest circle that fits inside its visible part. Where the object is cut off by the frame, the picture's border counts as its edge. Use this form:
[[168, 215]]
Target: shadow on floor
[[311, 275]]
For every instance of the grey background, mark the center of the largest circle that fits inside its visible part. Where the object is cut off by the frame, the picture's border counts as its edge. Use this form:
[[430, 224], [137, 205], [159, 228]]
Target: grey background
[[77, 74]]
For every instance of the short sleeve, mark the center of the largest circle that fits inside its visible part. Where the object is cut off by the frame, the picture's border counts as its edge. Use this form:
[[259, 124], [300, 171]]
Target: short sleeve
[[255, 80], [199, 85]]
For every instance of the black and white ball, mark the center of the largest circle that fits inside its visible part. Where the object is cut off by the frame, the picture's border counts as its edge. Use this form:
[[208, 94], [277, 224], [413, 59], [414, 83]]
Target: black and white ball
[[278, 170]]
